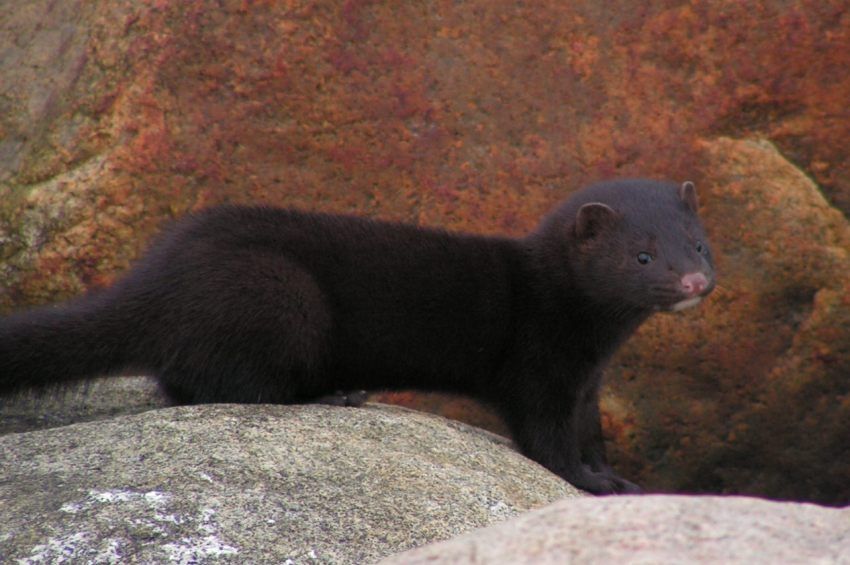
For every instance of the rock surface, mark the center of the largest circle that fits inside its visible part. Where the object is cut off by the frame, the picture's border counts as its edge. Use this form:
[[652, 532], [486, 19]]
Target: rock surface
[[256, 484], [117, 116], [92, 400], [652, 529]]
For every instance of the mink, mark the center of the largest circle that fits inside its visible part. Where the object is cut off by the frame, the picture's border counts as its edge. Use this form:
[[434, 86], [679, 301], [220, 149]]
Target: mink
[[255, 304]]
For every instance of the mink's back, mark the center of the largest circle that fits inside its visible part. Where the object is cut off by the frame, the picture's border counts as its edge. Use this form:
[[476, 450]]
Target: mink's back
[[405, 303]]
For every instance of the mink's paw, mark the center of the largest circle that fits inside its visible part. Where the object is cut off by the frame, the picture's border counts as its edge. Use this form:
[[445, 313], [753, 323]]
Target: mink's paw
[[592, 482], [621, 485], [601, 482], [626, 487], [340, 398]]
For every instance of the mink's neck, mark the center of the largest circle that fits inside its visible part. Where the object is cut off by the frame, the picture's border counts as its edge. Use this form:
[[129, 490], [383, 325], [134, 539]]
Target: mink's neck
[[601, 325]]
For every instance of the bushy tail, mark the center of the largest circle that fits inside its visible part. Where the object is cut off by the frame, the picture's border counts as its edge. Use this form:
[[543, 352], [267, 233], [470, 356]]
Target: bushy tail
[[53, 345]]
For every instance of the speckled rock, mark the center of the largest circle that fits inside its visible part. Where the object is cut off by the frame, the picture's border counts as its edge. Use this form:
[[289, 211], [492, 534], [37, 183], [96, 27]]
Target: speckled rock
[[652, 529], [90, 400], [257, 484]]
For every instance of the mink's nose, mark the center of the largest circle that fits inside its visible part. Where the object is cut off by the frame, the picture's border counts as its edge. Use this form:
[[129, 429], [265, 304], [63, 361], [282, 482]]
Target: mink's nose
[[694, 284]]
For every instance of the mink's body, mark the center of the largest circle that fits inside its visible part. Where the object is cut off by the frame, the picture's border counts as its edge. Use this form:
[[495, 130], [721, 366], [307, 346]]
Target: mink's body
[[254, 304]]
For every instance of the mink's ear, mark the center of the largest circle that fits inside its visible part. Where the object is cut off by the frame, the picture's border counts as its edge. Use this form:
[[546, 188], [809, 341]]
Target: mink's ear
[[688, 194], [594, 218]]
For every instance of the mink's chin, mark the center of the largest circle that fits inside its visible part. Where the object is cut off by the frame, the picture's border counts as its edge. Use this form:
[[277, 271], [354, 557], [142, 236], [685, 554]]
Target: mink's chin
[[685, 304]]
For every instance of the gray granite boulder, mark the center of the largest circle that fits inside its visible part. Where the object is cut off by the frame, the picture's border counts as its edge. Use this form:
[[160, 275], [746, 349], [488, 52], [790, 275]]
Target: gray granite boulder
[[652, 529], [94, 399], [252, 484]]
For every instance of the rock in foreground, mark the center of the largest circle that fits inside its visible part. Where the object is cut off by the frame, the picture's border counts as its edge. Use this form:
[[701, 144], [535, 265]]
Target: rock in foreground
[[653, 529], [254, 484]]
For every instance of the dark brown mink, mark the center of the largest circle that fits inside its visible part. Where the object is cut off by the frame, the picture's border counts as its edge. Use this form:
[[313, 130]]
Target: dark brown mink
[[265, 305]]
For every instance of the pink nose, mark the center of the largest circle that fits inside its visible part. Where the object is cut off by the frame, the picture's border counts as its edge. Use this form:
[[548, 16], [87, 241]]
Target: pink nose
[[694, 283]]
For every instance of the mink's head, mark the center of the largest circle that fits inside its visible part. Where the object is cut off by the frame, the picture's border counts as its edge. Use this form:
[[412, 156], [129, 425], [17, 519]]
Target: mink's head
[[633, 244]]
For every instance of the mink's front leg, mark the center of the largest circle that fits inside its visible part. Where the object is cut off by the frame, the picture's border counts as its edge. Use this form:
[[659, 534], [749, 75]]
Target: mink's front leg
[[592, 444], [556, 425]]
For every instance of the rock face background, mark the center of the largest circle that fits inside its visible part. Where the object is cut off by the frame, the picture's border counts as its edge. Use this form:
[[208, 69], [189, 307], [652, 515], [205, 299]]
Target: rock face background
[[116, 116]]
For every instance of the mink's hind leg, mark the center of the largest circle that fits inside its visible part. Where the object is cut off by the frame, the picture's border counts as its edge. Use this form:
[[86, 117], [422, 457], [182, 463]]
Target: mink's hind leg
[[252, 328]]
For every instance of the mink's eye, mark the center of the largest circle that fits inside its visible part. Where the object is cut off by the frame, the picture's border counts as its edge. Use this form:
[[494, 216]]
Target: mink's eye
[[701, 249], [644, 258]]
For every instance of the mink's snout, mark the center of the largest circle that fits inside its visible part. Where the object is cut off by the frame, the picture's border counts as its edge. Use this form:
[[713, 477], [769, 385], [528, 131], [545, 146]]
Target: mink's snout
[[694, 284]]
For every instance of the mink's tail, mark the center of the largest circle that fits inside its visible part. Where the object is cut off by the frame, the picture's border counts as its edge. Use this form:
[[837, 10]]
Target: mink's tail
[[55, 345]]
